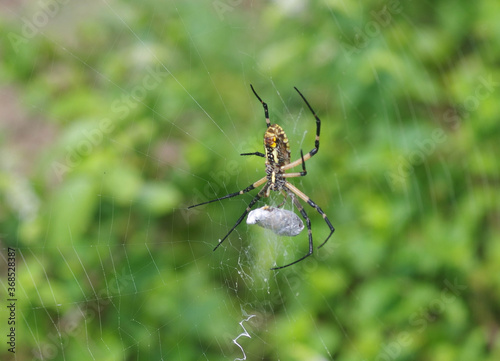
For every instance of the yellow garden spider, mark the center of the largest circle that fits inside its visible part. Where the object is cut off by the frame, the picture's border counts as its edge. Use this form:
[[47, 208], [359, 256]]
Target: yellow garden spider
[[277, 162]]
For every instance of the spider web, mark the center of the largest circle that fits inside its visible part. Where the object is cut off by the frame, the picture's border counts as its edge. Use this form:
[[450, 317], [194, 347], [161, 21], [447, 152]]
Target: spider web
[[137, 278]]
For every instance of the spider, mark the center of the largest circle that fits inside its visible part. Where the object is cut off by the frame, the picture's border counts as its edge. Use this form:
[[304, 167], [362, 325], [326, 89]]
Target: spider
[[277, 162]]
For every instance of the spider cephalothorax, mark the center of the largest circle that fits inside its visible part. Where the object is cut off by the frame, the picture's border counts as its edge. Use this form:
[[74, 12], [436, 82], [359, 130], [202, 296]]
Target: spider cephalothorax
[[277, 162]]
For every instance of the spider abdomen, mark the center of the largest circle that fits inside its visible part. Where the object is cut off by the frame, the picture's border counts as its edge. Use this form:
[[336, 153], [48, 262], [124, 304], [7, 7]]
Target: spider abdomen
[[275, 177]]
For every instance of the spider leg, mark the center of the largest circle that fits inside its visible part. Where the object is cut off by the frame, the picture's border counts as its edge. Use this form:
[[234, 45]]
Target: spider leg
[[249, 207], [315, 206], [316, 141], [298, 174], [255, 153], [266, 111], [309, 232], [247, 189]]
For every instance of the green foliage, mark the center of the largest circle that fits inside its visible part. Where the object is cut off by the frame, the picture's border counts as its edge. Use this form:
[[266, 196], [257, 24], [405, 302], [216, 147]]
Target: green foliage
[[126, 114]]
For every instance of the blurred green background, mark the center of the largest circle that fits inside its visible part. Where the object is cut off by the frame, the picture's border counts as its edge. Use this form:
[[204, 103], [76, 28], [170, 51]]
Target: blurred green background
[[117, 115]]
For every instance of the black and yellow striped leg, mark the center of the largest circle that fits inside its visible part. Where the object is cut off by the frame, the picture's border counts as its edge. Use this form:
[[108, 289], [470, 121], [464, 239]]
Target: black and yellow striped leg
[[298, 174], [249, 207], [309, 231], [318, 124], [266, 111], [320, 211], [316, 141], [255, 153], [315, 206], [247, 189]]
